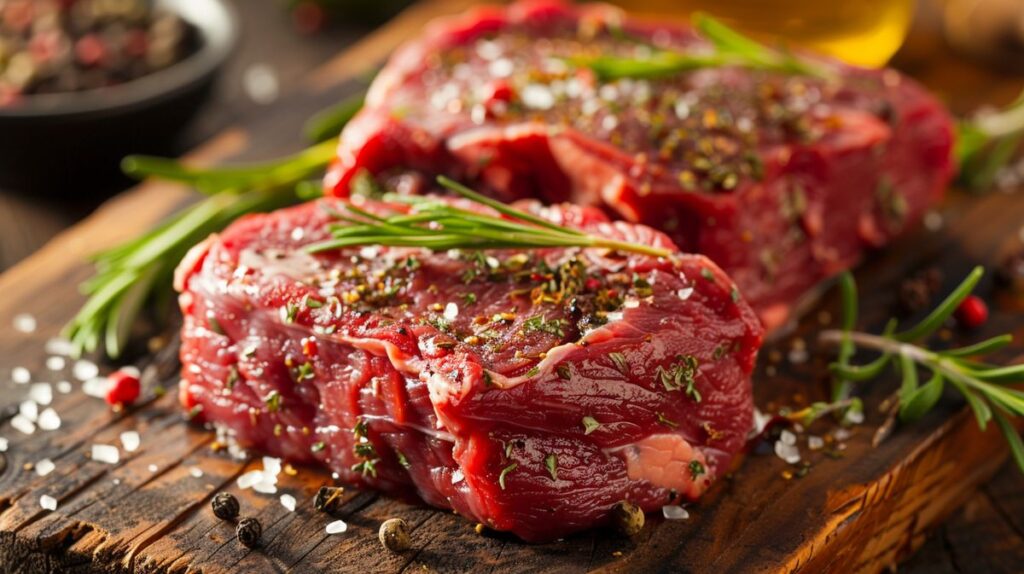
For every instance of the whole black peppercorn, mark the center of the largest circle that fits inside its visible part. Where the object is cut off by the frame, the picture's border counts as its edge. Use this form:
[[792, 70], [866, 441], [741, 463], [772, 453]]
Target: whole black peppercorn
[[627, 518], [328, 499], [1010, 274], [394, 535], [249, 532], [225, 506], [916, 292]]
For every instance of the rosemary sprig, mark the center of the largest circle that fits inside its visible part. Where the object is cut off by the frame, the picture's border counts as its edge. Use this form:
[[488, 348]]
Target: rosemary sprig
[[729, 48], [986, 387], [987, 142], [137, 274], [439, 227]]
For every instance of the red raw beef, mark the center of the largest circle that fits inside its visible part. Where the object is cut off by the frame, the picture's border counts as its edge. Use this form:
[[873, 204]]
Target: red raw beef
[[529, 391], [782, 180]]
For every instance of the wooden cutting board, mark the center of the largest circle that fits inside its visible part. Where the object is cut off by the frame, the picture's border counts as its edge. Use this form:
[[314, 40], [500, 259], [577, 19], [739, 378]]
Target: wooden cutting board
[[860, 512]]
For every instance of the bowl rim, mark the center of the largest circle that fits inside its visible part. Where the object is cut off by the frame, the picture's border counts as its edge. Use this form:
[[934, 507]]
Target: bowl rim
[[219, 32]]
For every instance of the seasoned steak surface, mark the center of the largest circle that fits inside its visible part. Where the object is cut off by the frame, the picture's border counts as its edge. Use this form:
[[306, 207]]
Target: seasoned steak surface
[[529, 391], [783, 180]]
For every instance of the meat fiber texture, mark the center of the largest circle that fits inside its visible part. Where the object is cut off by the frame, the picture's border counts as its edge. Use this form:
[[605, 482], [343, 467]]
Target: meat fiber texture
[[783, 180], [529, 391]]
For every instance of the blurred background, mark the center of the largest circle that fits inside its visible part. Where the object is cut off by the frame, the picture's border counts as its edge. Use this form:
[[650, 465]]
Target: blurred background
[[277, 43]]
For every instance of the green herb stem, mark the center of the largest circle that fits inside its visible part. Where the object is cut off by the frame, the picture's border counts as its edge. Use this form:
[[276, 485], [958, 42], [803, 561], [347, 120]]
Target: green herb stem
[[440, 227], [984, 386], [988, 142]]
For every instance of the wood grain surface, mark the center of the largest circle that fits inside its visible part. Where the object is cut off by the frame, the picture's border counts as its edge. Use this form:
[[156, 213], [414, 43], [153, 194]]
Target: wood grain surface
[[863, 510]]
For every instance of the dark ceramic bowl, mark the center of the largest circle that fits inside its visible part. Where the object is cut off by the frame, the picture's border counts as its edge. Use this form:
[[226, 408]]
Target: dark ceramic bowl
[[54, 143]]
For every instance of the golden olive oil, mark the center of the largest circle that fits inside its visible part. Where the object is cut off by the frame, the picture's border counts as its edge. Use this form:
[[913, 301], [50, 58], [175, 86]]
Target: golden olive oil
[[862, 32]]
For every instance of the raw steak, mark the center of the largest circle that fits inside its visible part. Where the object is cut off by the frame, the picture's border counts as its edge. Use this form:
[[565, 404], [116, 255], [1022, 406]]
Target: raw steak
[[529, 391], [782, 180]]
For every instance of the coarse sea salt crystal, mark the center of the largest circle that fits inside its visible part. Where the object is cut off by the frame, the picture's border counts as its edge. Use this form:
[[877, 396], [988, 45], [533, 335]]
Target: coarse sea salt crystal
[[22, 424], [25, 323], [288, 501], [271, 466], [457, 476], [538, 97], [249, 479], [815, 442], [685, 293], [58, 346], [85, 370], [153, 468], [130, 441], [673, 512], [3, 444], [787, 438], [337, 527], [106, 453], [787, 452], [21, 375], [48, 502], [41, 393], [196, 472], [64, 387], [96, 387], [854, 417], [45, 467], [49, 420], [56, 363], [451, 311], [29, 410], [265, 487]]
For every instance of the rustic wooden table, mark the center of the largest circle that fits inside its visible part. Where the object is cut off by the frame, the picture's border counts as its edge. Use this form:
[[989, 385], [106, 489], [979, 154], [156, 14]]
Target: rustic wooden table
[[986, 535]]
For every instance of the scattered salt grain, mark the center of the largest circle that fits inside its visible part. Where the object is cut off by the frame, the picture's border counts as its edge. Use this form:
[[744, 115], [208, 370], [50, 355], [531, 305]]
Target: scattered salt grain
[[337, 527], [761, 420], [48, 502], [933, 221], [842, 434], [271, 466], [261, 84], [64, 387], [130, 441], [105, 453], [787, 438], [29, 410], [501, 68], [49, 420], [96, 387], [153, 468], [249, 479], [854, 416], [56, 363], [787, 452], [196, 472], [815, 442], [58, 346], [457, 476], [45, 467], [538, 97], [21, 375], [451, 311], [22, 424], [265, 487], [85, 370], [288, 501], [3, 444], [685, 293], [674, 512], [24, 323], [798, 353], [41, 393]]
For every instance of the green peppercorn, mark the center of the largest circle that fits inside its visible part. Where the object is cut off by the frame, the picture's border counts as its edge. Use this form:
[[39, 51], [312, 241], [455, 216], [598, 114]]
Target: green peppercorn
[[249, 532], [328, 499], [394, 535], [627, 518], [225, 506]]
